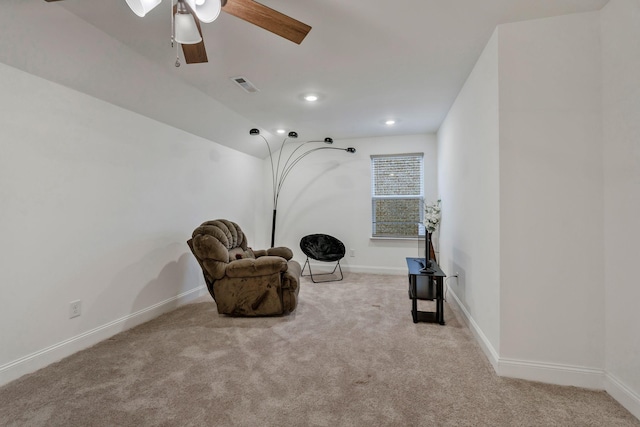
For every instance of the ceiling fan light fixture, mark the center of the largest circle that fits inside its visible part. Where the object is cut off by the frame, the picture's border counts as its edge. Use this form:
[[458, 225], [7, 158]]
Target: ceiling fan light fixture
[[186, 29], [142, 7], [207, 11]]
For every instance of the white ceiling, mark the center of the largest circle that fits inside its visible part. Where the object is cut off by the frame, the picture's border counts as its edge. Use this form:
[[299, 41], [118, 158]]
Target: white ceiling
[[369, 59]]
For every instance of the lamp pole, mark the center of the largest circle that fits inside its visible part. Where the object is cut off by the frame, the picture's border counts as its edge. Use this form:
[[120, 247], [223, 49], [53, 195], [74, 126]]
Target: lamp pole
[[279, 174]]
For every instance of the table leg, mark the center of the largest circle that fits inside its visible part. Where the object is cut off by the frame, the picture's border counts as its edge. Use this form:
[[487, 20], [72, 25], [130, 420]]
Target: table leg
[[440, 300], [414, 298]]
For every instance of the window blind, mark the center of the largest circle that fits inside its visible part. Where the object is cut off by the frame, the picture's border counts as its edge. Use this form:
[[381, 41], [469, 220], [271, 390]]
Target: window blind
[[397, 194]]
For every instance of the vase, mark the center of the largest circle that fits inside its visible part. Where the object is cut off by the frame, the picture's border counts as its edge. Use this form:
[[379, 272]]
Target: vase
[[430, 250]]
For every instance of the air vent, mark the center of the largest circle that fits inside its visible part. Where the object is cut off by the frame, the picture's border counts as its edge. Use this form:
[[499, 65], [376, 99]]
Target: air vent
[[245, 84]]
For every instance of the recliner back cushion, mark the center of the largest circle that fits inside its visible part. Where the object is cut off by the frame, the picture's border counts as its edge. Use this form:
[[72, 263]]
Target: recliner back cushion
[[229, 233], [220, 240], [208, 247]]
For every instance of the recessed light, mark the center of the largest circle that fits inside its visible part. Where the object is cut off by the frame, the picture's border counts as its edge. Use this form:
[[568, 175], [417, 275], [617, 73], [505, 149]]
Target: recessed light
[[389, 122], [312, 97], [281, 131]]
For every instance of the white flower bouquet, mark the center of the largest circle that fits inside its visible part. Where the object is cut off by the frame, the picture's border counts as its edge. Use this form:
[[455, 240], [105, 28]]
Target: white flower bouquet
[[432, 216]]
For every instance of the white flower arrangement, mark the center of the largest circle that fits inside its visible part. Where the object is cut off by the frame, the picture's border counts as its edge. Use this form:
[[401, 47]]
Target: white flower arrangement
[[432, 216]]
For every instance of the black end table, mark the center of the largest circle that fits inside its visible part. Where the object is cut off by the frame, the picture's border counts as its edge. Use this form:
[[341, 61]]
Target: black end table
[[435, 274]]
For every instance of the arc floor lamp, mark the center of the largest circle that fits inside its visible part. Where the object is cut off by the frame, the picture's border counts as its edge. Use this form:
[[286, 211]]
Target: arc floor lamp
[[279, 172]]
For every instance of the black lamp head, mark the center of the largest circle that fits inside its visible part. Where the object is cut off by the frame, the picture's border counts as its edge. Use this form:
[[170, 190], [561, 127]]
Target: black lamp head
[[293, 134], [328, 140], [351, 150], [254, 131]]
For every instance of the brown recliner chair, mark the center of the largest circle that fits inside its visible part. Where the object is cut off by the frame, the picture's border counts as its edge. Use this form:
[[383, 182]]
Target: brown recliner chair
[[244, 282]]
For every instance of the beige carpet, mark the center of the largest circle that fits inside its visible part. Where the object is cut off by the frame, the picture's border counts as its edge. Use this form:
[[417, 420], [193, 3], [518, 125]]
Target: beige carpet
[[349, 356]]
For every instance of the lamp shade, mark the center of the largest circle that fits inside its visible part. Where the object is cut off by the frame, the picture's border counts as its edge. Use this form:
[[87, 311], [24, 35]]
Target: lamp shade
[[206, 10], [186, 29], [142, 7]]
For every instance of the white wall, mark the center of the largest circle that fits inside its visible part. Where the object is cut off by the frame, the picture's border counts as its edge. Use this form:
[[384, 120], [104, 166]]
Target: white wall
[[96, 205], [551, 197], [468, 178], [569, 197], [621, 120], [521, 182], [330, 192]]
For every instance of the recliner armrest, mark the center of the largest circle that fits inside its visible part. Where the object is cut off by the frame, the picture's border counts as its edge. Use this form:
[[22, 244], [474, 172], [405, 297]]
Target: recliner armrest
[[259, 252], [281, 251], [291, 278], [262, 266]]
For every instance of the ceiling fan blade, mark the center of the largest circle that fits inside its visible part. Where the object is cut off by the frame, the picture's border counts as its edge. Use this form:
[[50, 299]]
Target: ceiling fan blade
[[267, 18], [193, 53]]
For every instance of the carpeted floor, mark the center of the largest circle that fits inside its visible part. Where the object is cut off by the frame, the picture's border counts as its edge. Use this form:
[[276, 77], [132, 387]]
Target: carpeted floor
[[349, 356]]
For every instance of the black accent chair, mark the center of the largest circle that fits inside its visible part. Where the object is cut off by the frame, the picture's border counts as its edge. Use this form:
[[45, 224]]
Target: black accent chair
[[322, 247]]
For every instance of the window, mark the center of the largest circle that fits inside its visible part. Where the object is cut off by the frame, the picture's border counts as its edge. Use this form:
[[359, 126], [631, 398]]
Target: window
[[397, 195]]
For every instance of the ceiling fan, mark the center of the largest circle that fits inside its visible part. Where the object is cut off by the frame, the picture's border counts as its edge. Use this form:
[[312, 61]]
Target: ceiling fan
[[187, 15]]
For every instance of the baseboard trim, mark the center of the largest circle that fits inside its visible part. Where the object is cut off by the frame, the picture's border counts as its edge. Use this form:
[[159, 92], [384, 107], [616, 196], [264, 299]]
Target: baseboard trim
[[552, 373], [394, 271], [623, 394], [528, 370], [483, 341], [327, 267], [41, 358]]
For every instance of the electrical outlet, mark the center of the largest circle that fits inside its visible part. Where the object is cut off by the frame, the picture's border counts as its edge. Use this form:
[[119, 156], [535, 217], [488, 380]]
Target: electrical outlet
[[352, 252], [75, 308]]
